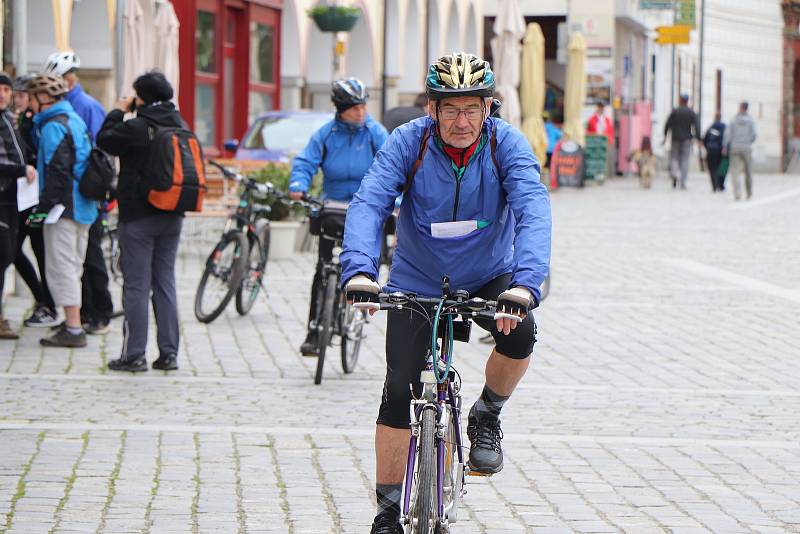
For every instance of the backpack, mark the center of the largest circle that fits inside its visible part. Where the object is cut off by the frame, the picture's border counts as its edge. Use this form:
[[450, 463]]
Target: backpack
[[101, 172], [423, 147], [100, 176], [174, 173]]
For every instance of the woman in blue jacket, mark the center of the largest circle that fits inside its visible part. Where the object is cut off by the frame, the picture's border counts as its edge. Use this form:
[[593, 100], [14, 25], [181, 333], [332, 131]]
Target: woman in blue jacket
[[344, 149]]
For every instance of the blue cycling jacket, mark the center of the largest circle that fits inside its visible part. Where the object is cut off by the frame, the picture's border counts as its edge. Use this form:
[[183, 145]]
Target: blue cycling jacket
[[87, 108], [344, 151], [512, 211], [61, 162]]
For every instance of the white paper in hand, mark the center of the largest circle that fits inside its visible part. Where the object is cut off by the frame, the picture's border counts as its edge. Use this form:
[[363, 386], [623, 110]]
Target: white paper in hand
[[54, 214], [27, 194]]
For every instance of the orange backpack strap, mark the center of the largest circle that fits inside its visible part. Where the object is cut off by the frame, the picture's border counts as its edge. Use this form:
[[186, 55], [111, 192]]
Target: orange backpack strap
[[420, 156]]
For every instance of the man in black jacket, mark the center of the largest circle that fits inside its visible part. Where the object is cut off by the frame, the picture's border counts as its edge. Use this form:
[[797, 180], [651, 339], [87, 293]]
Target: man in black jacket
[[12, 166], [685, 127], [148, 237]]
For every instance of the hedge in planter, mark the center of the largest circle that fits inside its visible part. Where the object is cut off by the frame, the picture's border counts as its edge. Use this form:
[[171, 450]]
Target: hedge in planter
[[335, 18]]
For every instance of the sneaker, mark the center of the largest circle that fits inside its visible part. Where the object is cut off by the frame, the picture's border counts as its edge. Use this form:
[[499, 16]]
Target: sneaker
[[6, 332], [42, 317], [62, 338], [139, 365], [309, 346], [97, 328], [485, 453], [386, 525], [166, 363], [58, 326]]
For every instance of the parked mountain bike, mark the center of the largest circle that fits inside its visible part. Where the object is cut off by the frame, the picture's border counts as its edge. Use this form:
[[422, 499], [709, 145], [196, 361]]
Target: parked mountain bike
[[236, 264], [334, 315], [436, 470], [109, 243]]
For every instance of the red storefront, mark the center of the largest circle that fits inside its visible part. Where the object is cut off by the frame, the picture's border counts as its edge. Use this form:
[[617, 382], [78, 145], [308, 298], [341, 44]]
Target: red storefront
[[230, 65]]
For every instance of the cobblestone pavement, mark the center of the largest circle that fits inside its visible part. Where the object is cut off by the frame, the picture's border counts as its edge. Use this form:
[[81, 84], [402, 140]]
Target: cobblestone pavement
[[663, 395]]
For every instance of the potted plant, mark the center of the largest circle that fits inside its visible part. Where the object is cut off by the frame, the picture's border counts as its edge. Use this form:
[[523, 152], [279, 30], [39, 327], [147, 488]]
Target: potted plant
[[333, 18], [287, 227]]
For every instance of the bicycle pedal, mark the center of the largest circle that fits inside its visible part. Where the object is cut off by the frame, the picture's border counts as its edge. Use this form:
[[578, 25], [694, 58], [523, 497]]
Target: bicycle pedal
[[471, 473]]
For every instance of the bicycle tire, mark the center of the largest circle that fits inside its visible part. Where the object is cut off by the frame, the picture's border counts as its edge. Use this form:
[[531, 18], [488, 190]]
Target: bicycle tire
[[247, 293], [426, 472], [350, 345], [237, 270], [325, 322]]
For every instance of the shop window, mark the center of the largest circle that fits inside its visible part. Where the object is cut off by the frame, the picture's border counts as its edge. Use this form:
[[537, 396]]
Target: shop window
[[262, 40], [257, 104], [205, 36], [205, 114]]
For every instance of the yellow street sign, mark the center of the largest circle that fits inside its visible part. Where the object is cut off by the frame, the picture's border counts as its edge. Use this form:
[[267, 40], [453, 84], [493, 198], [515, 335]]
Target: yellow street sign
[[679, 29], [673, 39]]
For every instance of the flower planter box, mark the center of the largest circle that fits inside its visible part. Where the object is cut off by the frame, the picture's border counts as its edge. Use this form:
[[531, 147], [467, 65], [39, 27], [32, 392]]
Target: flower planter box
[[335, 21], [283, 239]]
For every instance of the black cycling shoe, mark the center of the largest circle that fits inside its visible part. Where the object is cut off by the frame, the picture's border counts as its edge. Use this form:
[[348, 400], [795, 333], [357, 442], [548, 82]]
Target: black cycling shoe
[[309, 346], [138, 365], [485, 452], [166, 363], [386, 525]]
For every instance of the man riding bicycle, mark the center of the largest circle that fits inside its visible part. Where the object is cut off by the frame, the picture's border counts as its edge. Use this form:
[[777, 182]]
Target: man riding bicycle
[[344, 149], [474, 210]]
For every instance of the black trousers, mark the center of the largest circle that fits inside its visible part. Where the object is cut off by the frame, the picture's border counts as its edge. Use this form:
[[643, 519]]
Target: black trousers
[[714, 158], [96, 299], [8, 243], [324, 254], [36, 282]]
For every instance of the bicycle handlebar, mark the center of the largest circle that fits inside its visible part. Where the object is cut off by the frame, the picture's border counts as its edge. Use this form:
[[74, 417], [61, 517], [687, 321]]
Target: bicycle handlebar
[[249, 183], [474, 307]]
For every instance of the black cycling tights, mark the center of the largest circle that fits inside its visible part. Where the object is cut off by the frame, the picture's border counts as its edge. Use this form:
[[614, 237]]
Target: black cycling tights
[[408, 336]]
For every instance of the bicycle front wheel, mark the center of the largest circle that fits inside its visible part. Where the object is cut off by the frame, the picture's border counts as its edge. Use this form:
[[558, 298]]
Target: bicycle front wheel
[[224, 270], [352, 331], [325, 322], [422, 492], [247, 293]]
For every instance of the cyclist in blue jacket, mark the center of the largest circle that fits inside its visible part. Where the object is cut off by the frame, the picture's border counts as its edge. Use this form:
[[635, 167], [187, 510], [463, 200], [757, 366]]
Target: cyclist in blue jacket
[[474, 210], [344, 149]]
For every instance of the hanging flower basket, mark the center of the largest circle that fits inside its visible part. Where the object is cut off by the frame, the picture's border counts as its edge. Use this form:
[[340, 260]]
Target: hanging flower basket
[[335, 18]]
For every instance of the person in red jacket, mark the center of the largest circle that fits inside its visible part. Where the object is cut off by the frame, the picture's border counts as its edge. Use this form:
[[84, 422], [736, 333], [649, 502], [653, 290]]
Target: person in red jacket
[[600, 124]]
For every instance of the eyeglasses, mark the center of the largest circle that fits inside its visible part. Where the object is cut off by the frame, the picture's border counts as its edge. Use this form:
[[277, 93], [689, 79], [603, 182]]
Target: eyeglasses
[[452, 114]]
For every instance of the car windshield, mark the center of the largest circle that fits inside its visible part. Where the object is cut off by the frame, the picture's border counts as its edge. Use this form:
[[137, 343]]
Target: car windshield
[[285, 134]]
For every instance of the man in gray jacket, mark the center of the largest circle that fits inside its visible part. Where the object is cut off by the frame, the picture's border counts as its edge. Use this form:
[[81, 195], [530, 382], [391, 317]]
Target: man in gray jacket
[[738, 146]]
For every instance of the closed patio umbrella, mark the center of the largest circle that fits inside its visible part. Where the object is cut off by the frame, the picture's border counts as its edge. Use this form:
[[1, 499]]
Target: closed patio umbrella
[[532, 90], [575, 90], [62, 21], [166, 30], [133, 45], [509, 27]]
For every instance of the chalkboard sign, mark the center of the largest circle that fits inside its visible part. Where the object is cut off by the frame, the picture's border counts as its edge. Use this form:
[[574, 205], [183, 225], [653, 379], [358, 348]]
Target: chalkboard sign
[[596, 155], [566, 165]]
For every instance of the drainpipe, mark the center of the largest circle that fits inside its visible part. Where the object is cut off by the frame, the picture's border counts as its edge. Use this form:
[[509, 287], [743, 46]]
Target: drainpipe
[[384, 77], [119, 60], [702, 56], [20, 19]]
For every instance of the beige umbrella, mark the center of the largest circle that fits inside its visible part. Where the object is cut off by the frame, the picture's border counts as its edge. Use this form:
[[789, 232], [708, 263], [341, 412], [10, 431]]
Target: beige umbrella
[[134, 59], [509, 27], [575, 90], [532, 90], [166, 30], [62, 22]]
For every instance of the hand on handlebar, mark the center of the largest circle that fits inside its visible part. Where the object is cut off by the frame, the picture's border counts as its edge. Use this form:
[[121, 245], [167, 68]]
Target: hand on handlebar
[[362, 292], [296, 195], [512, 307]]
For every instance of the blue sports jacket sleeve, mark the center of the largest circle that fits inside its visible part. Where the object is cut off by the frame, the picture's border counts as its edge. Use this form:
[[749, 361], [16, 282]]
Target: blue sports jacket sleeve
[[307, 162], [369, 208], [530, 203]]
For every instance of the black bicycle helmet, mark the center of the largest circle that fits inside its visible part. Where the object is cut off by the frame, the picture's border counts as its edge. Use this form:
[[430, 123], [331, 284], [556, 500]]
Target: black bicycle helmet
[[21, 83], [347, 93], [459, 74]]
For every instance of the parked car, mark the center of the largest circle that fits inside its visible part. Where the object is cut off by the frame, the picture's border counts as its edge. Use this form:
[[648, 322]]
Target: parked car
[[278, 135]]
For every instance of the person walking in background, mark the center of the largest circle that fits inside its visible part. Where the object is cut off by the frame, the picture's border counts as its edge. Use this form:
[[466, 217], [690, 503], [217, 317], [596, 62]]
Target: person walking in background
[[684, 126], [402, 114], [554, 135], [601, 124], [44, 312], [712, 140], [97, 305], [62, 157], [12, 166], [148, 236], [645, 162], [737, 144]]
